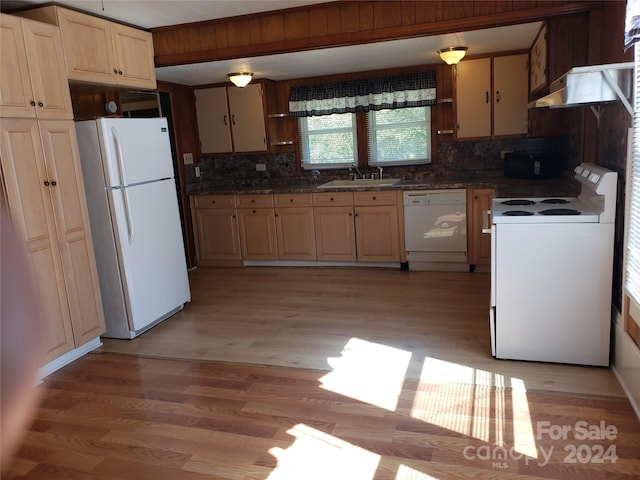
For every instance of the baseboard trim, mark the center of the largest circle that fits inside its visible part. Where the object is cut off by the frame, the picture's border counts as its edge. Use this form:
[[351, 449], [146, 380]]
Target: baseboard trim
[[68, 357]]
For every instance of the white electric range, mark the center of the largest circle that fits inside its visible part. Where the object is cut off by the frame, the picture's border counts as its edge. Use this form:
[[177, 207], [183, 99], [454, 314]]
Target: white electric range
[[551, 273]]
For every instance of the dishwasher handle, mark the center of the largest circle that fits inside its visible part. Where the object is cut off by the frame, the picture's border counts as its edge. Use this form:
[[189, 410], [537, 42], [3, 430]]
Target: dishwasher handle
[[486, 224]]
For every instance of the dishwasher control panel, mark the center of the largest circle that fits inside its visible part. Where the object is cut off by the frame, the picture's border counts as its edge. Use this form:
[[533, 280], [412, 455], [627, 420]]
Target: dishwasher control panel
[[456, 196]]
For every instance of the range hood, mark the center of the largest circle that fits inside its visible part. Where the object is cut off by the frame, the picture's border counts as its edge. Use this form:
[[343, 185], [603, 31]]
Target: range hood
[[590, 85]]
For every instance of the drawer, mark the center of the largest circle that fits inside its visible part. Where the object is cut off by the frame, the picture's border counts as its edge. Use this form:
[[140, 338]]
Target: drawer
[[249, 201], [377, 197], [327, 199], [214, 201], [293, 200]]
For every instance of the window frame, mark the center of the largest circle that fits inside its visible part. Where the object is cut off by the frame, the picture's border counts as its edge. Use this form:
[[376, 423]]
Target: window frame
[[362, 143], [303, 145], [371, 140]]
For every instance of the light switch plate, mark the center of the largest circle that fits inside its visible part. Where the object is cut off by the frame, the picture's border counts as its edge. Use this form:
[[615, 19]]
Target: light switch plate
[[187, 158]]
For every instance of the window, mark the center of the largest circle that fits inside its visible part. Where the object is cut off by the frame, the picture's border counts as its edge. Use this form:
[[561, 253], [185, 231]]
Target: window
[[328, 141], [400, 136]]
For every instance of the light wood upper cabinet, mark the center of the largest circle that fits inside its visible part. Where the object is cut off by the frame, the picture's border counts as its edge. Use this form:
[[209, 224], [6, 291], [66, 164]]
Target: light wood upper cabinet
[[231, 119], [45, 193], [33, 81], [511, 95], [99, 51], [212, 112], [473, 98], [491, 96]]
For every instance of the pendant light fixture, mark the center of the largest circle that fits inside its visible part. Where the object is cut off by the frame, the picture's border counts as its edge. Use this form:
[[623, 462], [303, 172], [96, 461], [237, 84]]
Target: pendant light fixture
[[240, 79], [452, 55]]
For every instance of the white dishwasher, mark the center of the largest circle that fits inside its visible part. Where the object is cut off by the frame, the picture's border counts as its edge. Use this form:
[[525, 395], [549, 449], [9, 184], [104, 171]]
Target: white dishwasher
[[435, 224]]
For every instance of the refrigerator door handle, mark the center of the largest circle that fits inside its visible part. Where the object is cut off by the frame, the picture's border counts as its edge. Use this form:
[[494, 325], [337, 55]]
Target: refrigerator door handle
[[128, 217], [118, 145]]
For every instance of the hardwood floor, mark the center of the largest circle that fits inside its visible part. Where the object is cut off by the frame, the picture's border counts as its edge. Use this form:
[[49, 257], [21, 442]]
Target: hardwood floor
[[373, 375]]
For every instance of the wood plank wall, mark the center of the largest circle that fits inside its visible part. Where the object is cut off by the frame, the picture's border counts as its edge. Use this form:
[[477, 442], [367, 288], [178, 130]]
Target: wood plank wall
[[343, 23]]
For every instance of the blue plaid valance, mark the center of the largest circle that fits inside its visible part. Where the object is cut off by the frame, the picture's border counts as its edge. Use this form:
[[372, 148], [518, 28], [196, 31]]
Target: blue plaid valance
[[412, 90]]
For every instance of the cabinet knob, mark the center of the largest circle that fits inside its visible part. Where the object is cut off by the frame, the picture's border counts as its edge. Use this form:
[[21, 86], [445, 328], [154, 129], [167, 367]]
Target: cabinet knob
[[331, 199], [291, 199], [486, 95], [497, 96], [233, 118], [253, 201], [32, 103], [119, 72], [254, 211], [213, 201], [40, 104], [54, 183], [115, 70], [224, 120], [46, 183], [374, 197]]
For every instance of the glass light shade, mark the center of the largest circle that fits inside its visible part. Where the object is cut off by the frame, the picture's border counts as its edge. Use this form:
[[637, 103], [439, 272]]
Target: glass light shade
[[452, 55], [240, 79]]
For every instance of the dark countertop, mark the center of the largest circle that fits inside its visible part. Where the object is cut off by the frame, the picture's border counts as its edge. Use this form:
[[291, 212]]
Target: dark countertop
[[505, 187]]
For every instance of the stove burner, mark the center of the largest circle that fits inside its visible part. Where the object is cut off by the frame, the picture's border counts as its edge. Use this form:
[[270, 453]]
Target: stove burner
[[556, 201], [518, 201], [560, 211], [517, 213]]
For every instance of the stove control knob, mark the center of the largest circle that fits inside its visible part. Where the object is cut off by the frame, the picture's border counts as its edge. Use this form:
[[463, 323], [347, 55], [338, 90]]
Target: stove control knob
[[594, 177], [578, 169]]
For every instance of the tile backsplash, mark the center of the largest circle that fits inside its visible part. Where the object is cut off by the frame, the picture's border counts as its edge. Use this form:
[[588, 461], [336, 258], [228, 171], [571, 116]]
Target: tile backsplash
[[455, 160]]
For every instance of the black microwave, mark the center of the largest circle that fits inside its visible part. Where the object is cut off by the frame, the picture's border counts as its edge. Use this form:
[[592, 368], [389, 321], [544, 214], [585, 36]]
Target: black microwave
[[533, 165]]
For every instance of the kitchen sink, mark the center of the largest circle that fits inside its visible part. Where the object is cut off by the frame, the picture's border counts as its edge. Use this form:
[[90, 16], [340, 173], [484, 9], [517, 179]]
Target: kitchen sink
[[361, 183]]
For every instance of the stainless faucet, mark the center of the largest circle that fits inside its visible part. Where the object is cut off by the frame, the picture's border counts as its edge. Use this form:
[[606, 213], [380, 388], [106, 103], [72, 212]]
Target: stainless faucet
[[358, 172], [380, 173]]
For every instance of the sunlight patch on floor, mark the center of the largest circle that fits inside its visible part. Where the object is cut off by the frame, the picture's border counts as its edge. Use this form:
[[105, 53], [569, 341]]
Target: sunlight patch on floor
[[476, 403], [315, 455], [369, 372], [408, 473]]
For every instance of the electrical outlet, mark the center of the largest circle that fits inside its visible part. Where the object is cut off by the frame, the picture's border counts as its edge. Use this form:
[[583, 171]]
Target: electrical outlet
[[187, 158], [197, 170], [261, 167]]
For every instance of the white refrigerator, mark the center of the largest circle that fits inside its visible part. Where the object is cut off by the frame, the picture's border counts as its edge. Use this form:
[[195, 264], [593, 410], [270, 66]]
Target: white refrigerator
[[135, 221]]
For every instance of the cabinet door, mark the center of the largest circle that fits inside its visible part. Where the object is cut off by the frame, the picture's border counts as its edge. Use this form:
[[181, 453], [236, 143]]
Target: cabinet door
[[247, 118], [335, 233], [377, 234], [73, 229], [217, 235], [34, 81], [479, 244], [133, 51], [88, 47], [16, 94], [258, 234], [295, 233], [29, 200], [538, 61], [510, 80], [473, 98], [212, 113]]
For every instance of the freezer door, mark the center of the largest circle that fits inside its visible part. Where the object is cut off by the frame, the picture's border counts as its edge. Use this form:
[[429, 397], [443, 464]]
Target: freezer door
[[135, 150], [151, 251]]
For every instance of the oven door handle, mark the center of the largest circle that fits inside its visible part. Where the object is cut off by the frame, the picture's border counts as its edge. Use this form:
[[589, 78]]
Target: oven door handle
[[486, 224]]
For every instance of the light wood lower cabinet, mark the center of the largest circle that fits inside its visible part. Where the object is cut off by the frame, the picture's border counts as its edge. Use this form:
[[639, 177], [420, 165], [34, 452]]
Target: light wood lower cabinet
[[377, 228], [216, 229], [45, 193], [327, 226], [478, 243], [257, 225], [295, 231]]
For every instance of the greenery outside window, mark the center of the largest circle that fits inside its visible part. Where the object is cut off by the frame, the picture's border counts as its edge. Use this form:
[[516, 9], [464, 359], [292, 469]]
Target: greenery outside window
[[328, 141], [399, 137]]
